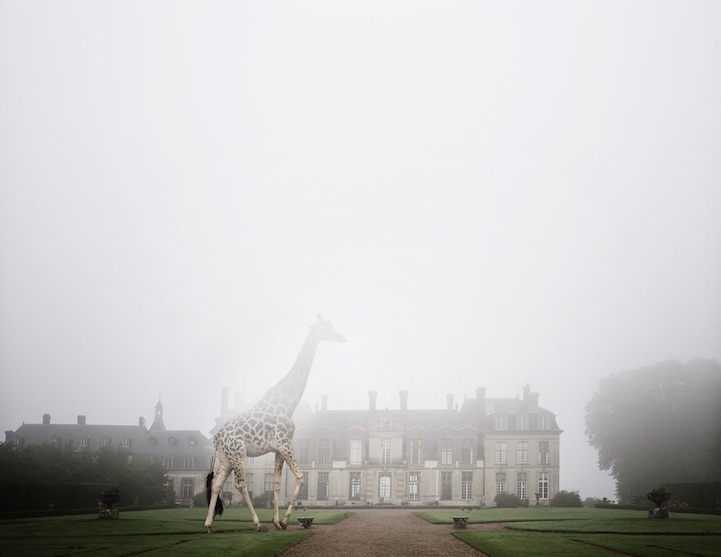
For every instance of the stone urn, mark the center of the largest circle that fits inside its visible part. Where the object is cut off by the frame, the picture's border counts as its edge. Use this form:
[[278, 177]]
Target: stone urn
[[108, 499], [658, 498]]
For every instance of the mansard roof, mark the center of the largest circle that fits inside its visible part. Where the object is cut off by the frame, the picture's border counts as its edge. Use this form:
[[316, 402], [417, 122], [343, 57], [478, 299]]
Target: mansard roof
[[137, 438]]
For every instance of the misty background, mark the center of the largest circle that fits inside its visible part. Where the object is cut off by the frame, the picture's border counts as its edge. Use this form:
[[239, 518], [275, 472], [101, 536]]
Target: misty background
[[473, 193]]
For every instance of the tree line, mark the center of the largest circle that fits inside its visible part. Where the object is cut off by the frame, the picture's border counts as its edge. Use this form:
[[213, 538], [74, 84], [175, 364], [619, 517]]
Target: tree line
[[658, 425], [138, 480]]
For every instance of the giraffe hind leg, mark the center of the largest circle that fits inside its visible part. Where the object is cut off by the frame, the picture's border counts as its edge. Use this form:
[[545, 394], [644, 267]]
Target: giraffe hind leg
[[216, 484]]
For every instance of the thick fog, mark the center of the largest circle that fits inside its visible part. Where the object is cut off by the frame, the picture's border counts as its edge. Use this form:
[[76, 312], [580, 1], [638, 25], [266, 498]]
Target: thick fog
[[473, 193]]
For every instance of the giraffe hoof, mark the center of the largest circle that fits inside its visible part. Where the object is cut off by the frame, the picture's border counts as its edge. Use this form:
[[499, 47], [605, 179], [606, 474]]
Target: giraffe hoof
[[284, 524], [209, 530], [261, 528]]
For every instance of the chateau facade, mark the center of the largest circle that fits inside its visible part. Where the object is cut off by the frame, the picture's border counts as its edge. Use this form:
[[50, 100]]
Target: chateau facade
[[452, 457], [457, 456]]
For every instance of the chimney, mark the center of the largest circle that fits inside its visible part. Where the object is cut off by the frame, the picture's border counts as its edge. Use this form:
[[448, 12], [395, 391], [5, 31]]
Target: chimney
[[530, 400], [224, 398], [372, 396], [46, 419], [404, 400], [81, 420], [141, 421], [324, 402], [449, 399]]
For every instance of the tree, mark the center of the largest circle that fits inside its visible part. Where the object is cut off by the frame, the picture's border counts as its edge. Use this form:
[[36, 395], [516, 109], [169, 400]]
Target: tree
[[658, 424]]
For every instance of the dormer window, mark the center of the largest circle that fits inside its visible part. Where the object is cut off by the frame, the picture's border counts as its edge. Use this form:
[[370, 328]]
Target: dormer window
[[501, 422], [84, 441], [544, 421], [126, 442], [192, 441], [172, 441], [522, 422], [152, 441], [56, 441]]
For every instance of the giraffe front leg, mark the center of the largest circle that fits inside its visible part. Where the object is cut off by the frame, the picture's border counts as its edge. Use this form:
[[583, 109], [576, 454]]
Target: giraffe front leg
[[276, 492], [293, 465]]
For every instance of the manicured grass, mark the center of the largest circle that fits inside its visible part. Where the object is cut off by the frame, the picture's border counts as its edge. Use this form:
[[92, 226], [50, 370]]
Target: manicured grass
[[179, 532], [587, 532], [522, 544]]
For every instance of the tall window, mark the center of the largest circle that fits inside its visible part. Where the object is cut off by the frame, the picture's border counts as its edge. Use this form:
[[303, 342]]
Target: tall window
[[501, 422], [354, 488], [303, 493], [446, 451], [126, 442], [500, 482], [384, 486], [543, 485], [544, 421], [168, 462], [323, 451], [522, 452], [522, 421], [356, 452], [386, 450], [414, 448], [500, 452], [543, 454], [187, 488], [56, 441], [189, 463], [84, 442], [466, 485], [322, 492], [522, 485], [414, 486], [446, 486], [468, 451], [105, 442], [303, 452], [268, 482]]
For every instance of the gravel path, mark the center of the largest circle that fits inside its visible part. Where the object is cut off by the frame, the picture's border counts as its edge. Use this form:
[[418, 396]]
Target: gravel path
[[382, 532]]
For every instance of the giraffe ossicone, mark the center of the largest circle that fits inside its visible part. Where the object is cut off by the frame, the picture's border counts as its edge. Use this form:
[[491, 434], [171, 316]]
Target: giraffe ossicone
[[266, 427]]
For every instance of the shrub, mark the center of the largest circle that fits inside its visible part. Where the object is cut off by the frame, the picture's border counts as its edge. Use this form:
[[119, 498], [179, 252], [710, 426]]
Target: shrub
[[566, 499], [509, 501]]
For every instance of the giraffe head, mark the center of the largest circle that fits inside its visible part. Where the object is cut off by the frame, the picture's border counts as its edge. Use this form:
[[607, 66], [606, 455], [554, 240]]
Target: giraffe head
[[323, 330]]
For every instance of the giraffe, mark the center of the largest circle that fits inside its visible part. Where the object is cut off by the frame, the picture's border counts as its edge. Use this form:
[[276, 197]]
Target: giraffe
[[266, 427]]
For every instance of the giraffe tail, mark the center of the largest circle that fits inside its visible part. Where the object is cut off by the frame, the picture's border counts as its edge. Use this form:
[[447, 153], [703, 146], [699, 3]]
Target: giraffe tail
[[208, 489]]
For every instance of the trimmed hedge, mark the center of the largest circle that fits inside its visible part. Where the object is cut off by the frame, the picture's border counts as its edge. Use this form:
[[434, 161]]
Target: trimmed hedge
[[46, 496], [690, 510]]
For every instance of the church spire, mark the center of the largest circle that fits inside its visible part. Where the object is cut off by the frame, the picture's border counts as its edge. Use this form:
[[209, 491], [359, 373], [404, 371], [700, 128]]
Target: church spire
[[158, 424]]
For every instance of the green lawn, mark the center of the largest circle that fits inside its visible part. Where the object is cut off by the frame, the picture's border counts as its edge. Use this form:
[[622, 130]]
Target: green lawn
[[179, 531], [587, 532]]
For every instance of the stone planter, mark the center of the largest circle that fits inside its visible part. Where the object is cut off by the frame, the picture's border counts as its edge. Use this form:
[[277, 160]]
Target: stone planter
[[108, 499], [658, 499]]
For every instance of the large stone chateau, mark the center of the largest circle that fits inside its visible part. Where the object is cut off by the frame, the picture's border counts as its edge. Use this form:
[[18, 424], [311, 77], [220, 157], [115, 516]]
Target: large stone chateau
[[462, 455]]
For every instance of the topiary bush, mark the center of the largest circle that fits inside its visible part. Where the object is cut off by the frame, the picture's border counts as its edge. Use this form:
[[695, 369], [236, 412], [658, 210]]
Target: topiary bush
[[566, 499], [509, 501]]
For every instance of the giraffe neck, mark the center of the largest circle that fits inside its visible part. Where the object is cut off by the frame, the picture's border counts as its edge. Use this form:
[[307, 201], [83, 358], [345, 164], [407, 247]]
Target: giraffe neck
[[289, 390]]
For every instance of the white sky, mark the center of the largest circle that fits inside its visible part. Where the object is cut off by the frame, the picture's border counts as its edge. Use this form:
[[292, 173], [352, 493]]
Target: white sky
[[474, 193]]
